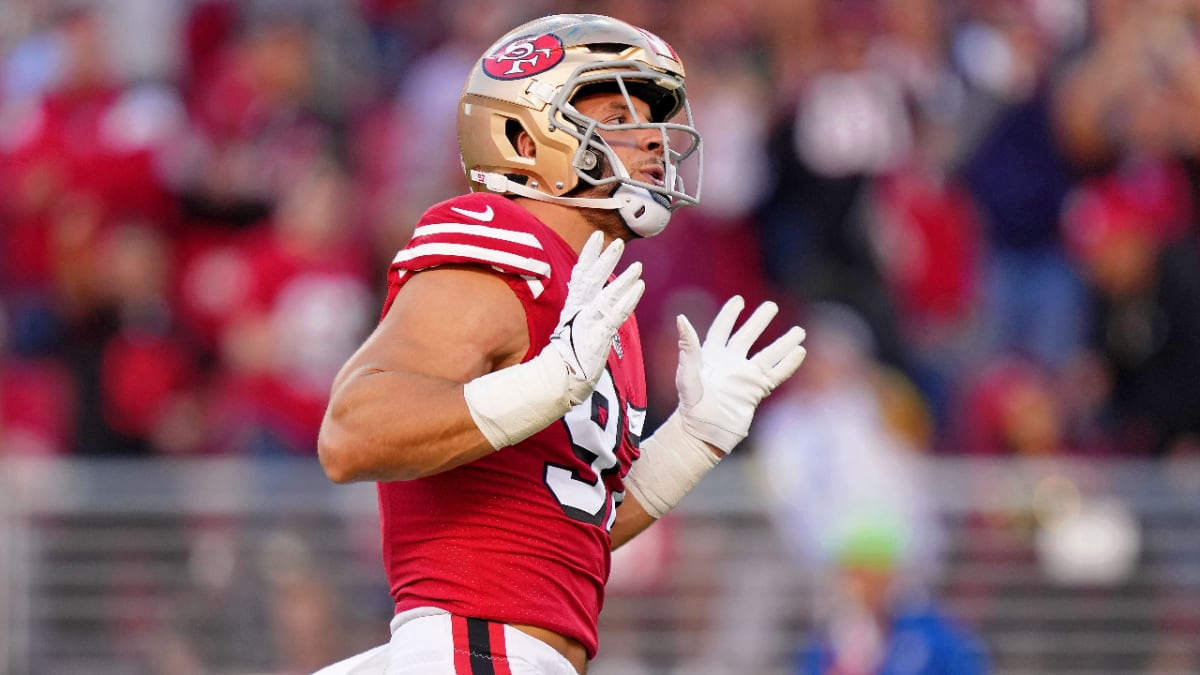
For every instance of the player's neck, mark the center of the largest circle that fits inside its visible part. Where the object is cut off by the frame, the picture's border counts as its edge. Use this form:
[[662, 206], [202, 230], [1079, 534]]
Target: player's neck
[[568, 222]]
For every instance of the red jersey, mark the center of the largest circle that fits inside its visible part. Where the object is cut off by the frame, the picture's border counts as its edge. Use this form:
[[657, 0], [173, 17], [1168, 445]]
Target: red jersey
[[521, 535]]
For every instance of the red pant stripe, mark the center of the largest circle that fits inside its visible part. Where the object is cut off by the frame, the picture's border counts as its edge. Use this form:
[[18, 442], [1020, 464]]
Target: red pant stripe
[[499, 649], [462, 645], [478, 647]]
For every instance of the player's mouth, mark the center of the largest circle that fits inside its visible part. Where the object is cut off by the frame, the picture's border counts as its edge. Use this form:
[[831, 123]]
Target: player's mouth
[[653, 175]]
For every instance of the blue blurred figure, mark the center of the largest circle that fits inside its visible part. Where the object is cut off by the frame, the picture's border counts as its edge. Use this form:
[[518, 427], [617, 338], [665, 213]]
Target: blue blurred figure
[[876, 625]]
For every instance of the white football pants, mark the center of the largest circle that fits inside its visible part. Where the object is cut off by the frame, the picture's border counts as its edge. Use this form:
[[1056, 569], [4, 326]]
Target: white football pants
[[431, 642]]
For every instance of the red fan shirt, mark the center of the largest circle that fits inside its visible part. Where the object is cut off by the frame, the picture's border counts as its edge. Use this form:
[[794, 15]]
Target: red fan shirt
[[521, 535]]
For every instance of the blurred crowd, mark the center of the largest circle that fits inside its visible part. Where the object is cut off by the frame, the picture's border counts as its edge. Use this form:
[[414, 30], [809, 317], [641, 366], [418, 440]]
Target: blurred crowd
[[986, 213], [200, 198]]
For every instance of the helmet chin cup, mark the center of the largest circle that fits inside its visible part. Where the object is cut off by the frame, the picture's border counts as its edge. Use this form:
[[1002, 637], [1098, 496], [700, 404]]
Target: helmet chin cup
[[643, 211]]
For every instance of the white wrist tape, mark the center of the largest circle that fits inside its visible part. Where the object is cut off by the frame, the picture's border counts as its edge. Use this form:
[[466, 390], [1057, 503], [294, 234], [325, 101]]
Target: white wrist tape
[[672, 463], [514, 403]]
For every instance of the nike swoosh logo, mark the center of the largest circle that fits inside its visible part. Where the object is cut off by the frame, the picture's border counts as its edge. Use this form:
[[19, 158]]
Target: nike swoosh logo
[[484, 216]]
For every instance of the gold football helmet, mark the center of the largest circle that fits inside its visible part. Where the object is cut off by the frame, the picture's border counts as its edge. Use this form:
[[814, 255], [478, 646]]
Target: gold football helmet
[[528, 80]]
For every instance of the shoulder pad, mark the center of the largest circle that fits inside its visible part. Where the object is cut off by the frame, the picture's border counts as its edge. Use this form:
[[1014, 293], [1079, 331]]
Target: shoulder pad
[[478, 229]]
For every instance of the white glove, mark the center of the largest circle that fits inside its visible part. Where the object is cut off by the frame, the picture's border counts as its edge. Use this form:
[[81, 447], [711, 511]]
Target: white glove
[[512, 404], [593, 312], [719, 387], [719, 390]]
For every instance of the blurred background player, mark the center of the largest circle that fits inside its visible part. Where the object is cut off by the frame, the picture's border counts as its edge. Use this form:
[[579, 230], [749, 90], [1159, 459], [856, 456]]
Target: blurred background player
[[500, 407]]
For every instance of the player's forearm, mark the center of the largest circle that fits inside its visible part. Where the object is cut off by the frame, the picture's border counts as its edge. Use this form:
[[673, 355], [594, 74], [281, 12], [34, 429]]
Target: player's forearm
[[632, 520], [385, 426]]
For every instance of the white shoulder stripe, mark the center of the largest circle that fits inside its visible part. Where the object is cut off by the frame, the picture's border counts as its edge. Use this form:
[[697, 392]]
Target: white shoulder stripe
[[524, 238], [480, 253]]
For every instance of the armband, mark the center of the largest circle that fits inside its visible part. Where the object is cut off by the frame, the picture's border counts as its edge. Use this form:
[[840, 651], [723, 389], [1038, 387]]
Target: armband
[[514, 403]]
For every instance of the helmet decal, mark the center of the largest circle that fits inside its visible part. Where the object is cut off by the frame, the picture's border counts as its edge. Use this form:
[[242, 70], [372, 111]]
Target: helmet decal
[[659, 45], [524, 57]]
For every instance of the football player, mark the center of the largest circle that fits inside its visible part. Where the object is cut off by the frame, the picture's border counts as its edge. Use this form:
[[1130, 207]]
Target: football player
[[500, 402]]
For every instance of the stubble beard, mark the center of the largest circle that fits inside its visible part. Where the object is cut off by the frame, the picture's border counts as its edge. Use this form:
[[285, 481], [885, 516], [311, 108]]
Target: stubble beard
[[607, 221]]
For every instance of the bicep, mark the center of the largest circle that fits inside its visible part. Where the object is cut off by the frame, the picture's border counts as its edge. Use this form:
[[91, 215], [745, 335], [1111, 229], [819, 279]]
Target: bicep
[[453, 323], [396, 410]]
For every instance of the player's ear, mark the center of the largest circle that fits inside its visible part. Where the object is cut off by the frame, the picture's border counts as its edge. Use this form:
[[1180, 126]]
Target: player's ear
[[525, 145]]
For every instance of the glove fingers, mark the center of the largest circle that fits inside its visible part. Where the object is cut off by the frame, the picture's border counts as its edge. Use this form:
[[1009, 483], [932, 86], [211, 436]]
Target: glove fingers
[[622, 281], [617, 300], [774, 358], [581, 274], [777, 350], [582, 286], [607, 262], [787, 365], [687, 375], [623, 303], [754, 326], [591, 249], [722, 325], [594, 268]]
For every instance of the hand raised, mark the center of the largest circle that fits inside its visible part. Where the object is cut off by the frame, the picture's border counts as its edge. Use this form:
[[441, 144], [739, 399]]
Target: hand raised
[[593, 312], [719, 385]]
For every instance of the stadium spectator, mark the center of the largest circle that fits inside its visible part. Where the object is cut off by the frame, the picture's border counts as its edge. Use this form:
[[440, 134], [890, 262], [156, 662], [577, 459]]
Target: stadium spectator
[[875, 625], [136, 371], [1146, 289], [849, 124], [1034, 303], [37, 402], [831, 446], [279, 345], [1010, 408]]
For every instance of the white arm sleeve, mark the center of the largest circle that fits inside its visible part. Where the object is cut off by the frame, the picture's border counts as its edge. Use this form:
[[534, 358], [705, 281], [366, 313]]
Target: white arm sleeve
[[514, 403], [672, 463]]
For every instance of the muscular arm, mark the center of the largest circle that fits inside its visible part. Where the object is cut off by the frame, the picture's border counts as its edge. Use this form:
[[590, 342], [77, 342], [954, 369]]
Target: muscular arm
[[632, 517], [632, 520], [396, 409]]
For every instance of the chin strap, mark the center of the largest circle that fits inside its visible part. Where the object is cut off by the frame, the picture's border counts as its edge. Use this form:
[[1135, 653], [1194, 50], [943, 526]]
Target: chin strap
[[645, 215]]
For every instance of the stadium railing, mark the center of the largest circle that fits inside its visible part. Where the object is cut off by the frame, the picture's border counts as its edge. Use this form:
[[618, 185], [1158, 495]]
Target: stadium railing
[[224, 566]]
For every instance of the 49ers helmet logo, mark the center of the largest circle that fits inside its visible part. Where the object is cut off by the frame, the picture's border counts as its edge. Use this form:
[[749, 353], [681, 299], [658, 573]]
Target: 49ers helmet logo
[[524, 57]]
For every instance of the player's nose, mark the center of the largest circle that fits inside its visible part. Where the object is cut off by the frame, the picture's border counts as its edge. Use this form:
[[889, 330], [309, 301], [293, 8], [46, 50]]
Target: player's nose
[[650, 140]]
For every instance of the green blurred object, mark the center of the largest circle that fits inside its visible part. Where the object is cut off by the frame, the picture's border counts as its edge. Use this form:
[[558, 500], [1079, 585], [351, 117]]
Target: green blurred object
[[874, 541]]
